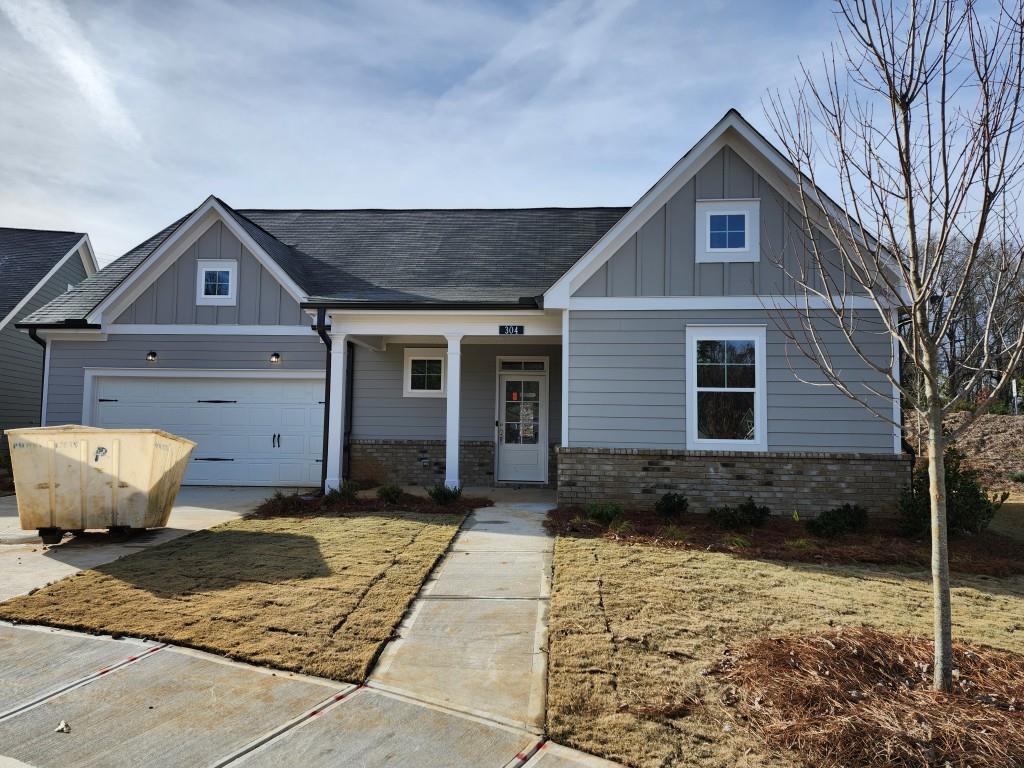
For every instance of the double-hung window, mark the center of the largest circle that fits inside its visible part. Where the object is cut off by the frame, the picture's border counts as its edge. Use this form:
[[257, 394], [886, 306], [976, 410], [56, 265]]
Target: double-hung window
[[725, 393], [424, 373]]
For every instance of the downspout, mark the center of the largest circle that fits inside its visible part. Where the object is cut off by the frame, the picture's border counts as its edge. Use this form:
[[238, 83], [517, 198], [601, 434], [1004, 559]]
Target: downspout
[[321, 329], [33, 334]]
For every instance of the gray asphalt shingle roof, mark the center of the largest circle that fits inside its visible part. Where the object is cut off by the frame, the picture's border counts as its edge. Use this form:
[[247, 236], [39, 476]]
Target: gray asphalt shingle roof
[[26, 256], [372, 256]]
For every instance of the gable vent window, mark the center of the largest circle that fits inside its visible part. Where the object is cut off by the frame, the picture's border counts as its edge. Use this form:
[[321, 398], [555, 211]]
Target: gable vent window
[[216, 282], [424, 373], [728, 230]]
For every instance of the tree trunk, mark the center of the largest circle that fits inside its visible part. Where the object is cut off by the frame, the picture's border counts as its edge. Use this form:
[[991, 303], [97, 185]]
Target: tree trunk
[[942, 679]]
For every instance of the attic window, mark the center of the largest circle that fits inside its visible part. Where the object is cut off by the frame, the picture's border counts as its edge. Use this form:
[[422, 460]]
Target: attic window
[[728, 230], [216, 282]]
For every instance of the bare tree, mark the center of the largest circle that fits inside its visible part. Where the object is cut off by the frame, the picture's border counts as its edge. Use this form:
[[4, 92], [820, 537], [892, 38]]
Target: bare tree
[[916, 113]]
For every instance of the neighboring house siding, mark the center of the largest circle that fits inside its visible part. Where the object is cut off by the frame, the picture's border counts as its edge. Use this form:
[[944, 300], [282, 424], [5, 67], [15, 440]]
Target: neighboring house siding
[[659, 259], [381, 412], [171, 300], [627, 383], [21, 369], [68, 359]]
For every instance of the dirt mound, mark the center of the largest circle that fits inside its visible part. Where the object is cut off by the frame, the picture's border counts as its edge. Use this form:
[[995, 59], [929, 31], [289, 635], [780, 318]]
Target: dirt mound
[[994, 445], [862, 697]]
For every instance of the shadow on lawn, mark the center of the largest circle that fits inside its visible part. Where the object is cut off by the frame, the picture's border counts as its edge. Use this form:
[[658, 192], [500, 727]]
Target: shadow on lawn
[[214, 560]]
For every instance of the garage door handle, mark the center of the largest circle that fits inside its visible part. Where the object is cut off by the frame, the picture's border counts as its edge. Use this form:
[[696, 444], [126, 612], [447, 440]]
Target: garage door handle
[[107, 400], [215, 458], [216, 401]]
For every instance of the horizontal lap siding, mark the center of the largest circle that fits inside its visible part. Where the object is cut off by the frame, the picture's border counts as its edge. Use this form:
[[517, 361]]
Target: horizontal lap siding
[[68, 359], [627, 383], [21, 369], [380, 412]]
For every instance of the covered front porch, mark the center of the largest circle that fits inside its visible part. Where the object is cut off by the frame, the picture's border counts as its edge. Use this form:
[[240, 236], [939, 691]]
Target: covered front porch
[[471, 398]]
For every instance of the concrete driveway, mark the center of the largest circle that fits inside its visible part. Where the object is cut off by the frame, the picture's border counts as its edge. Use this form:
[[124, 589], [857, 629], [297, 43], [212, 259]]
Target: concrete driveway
[[462, 685], [25, 564]]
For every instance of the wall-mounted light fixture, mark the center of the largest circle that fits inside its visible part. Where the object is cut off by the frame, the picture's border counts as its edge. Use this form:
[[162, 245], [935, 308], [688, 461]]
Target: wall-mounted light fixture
[[151, 357], [275, 357]]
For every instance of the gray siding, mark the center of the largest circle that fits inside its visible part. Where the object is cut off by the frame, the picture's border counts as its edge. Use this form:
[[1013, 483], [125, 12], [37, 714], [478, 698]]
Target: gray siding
[[172, 298], [21, 359], [627, 384], [68, 359], [658, 260], [381, 412]]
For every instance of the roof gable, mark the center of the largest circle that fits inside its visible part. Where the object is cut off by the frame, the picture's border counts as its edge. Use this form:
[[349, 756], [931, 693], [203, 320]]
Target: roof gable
[[30, 257]]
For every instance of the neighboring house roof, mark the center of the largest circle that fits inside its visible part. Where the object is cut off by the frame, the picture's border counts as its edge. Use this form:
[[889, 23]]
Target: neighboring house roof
[[401, 257], [27, 257]]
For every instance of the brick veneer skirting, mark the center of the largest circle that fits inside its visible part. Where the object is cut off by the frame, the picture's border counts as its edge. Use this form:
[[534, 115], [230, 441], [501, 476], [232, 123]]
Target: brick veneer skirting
[[805, 482], [421, 462]]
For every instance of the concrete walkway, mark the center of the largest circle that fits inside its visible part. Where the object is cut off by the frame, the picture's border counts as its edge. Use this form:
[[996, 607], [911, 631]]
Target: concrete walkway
[[462, 685]]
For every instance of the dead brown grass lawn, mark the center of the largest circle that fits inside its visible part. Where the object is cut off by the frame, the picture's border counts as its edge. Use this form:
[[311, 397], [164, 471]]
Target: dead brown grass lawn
[[635, 631], [319, 595]]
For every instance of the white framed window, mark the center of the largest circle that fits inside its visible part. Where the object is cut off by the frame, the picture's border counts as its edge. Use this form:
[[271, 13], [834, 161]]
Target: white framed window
[[216, 282], [728, 230], [424, 373], [726, 400]]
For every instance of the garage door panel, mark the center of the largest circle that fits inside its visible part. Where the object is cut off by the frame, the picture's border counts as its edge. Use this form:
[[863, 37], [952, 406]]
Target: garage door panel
[[241, 430]]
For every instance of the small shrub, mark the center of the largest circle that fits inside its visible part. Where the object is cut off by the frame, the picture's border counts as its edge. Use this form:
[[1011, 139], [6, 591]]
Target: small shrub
[[1017, 477], [848, 518], [390, 493], [736, 541], [969, 507], [443, 495], [622, 528], [672, 506], [673, 532], [746, 515], [347, 492], [800, 544], [603, 512], [279, 504]]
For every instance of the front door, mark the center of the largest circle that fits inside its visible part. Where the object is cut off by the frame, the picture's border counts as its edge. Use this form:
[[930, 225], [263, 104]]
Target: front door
[[522, 433]]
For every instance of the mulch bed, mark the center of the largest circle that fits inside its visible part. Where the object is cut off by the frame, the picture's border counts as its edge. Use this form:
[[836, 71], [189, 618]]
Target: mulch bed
[[988, 554], [862, 697], [314, 506]]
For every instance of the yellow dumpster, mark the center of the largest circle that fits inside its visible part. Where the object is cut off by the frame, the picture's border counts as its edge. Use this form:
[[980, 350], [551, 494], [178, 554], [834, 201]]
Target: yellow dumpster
[[72, 478]]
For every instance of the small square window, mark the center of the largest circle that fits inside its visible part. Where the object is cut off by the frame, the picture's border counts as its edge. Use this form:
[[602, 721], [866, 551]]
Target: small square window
[[727, 231], [423, 373], [216, 281]]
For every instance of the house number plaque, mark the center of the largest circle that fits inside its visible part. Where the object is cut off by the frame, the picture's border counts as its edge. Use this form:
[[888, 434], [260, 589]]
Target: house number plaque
[[510, 330]]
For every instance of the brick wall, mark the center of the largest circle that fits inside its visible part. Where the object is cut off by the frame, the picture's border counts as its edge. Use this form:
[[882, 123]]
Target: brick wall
[[805, 482], [421, 462]]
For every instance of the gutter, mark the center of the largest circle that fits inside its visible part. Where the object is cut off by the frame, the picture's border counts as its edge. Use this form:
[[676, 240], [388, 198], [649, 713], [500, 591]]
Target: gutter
[[66, 324], [321, 330]]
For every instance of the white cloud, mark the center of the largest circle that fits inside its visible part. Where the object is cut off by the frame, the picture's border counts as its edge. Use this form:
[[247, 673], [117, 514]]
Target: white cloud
[[48, 25]]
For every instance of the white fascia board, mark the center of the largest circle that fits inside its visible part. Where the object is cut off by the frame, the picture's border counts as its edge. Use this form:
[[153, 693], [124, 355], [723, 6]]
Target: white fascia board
[[89, 257], [10, 316], [771, 303], [173, 247], [468, 323], [71, 334], [140, 329]]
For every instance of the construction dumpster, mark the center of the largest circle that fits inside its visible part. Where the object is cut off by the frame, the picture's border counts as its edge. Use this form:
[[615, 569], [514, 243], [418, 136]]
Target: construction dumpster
[[72, 478]]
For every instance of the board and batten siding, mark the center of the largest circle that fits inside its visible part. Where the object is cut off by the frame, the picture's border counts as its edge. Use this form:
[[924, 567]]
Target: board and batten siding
[[69, 359], [380, 412], [171, 300], [21, 369], [627, 382], [659, 259]]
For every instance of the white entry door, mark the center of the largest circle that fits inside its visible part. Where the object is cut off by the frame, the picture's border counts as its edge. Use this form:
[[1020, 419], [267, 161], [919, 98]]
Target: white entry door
[[249, 431], [522, 428]]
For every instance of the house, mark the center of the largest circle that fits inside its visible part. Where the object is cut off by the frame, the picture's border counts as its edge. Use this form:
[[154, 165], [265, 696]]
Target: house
[[35, 267], [608, 352]]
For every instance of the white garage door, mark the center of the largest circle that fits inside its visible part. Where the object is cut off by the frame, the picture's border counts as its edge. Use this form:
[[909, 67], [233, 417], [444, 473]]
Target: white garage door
[[249, 431]]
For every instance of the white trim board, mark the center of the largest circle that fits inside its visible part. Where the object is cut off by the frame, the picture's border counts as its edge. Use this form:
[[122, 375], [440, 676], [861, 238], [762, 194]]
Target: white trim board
[[187, 233], [768, 303], [132, 329], [91, 374], [83, 241]]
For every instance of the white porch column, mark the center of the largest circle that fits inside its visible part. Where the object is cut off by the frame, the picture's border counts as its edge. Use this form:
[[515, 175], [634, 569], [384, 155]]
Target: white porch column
[[336, 413], [453, 377]]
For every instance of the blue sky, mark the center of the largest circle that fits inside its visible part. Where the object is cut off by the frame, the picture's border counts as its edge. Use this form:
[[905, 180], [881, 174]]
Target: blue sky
[[118, 117]]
